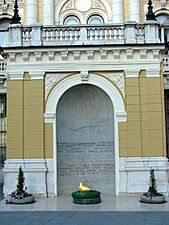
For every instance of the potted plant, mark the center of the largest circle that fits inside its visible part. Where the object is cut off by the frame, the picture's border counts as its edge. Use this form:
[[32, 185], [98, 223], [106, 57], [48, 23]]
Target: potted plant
[[152, 195], [20, 196]]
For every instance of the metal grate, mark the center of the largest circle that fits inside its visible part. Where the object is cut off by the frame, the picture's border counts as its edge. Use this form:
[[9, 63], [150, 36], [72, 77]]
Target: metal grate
[[3, 126]]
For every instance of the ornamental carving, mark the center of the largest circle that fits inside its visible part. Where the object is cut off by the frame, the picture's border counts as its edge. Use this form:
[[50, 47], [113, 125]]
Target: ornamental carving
[[51, 80], [69, 5], [118, 79], [97, 5], [84, 76]]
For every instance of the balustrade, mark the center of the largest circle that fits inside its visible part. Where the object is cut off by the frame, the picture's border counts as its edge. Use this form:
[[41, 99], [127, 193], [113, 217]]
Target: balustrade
[[2, 67], [83, 35], [166, 63]]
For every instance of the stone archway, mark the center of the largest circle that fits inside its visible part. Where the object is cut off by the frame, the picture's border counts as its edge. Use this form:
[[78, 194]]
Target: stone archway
[[51, 107], [85, 140]]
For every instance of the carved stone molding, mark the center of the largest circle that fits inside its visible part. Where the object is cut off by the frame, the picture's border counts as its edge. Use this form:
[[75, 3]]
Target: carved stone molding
[[84, 75], [118, 79], [51, 80]]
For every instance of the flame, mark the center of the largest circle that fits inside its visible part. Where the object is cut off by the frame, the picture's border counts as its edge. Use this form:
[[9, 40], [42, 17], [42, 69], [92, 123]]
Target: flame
[[84, 188]]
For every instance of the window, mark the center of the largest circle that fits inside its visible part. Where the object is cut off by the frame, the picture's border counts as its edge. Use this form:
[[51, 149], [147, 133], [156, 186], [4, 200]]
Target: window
[[94, 20], [4, 23], [163, 19], [71, 20]]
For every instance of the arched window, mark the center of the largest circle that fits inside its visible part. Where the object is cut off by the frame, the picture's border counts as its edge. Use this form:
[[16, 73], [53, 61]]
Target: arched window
[[95, 19], [71, 20], [4, 23], [163, 19]]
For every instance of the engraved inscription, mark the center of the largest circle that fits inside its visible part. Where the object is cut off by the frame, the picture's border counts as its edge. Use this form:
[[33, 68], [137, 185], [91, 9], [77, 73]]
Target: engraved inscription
[[91, 158], [85, 140]]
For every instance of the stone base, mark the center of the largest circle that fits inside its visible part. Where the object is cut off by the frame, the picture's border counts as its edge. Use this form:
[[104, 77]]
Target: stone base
[[135, 173], [87, 201], [153, 200], [34, 172], [26, 200]]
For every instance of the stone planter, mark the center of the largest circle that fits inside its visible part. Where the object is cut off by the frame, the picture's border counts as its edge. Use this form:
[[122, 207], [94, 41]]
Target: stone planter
[[86, 197], [26, 200], [153, 200]]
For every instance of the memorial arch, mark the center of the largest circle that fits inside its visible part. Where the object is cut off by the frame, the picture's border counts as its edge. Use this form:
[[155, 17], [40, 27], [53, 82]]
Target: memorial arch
[[85, 116]]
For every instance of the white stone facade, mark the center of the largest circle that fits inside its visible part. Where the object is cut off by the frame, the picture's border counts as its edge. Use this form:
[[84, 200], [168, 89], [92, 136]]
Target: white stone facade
[[103, 56], [134, 175]]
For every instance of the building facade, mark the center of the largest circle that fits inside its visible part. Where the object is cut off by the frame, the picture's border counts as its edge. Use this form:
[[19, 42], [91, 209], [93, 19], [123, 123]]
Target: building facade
[[85, 95]]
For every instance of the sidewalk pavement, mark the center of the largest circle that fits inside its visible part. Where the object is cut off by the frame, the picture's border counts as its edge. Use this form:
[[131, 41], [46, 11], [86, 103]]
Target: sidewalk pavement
[[84, 218]]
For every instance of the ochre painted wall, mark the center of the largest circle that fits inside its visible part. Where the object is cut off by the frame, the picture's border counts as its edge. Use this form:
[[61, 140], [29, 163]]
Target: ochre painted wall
[[142, 135], [25, 129], [40, 11], [144, 132], [48, 140], [15, 120], [33, 119]]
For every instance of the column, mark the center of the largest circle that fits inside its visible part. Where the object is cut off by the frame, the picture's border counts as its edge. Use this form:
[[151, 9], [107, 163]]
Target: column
[[31, 12], [134, 10], [117, 11], [48, 12]]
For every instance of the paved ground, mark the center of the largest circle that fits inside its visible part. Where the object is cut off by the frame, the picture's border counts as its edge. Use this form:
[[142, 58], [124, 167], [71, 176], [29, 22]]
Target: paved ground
[[84, 218], [61, 211]]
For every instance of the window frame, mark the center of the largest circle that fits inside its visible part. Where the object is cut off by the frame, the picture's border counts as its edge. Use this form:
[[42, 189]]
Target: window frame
[[97, 16], [71, 16]]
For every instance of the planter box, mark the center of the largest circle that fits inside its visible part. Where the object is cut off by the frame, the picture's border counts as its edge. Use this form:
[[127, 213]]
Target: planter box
[[153, 200], [26, 200]]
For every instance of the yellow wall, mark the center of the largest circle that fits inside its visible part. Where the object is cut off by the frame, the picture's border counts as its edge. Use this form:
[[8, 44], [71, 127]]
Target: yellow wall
[[40, 11], [144, 132], [15, 120], [25, 131], [142, 135], [48, 140]]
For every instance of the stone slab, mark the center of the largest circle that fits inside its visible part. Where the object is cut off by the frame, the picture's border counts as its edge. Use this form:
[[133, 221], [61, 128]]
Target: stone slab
[[85, 140]]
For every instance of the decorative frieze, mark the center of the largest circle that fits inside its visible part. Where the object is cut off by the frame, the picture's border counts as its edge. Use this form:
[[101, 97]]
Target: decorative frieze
[[12, 57], [156, 54], [118, 79], [38, 56], [51, 56], [76, 55], [116, 54], [103, 54], [143, 54], [64, 55], [90, 54], [129, 53], [51, 80], [25, 56]]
